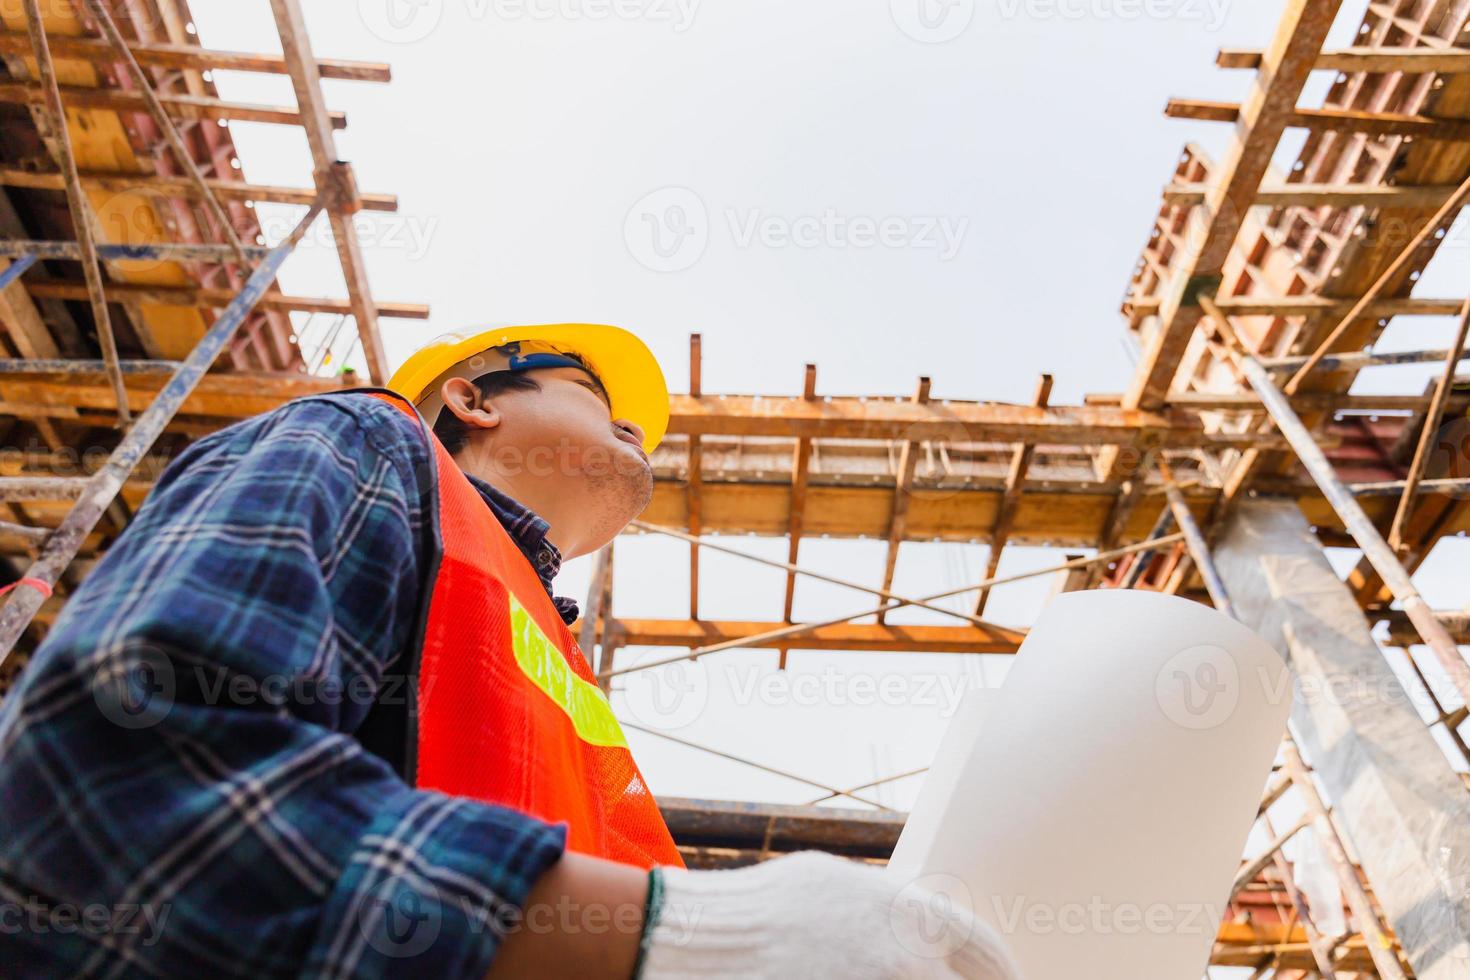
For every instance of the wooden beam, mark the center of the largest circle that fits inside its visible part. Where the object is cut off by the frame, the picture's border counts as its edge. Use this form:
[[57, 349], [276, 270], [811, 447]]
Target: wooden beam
[[1339, 120], [861, 637], [1005, 517], [235, 190], [1323, 195], [1267, 112], [1310, 306], [23, 320], [1400, 805], [190, 57], [215, 298], [796, 507], [908, 458], [1401, 632], [948, 422], [236, 395], [178, 106], [1371, 59], [306, 80]]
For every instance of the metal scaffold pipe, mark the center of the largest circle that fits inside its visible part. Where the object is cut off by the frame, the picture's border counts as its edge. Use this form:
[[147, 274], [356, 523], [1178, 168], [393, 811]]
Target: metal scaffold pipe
[[1358, 524]]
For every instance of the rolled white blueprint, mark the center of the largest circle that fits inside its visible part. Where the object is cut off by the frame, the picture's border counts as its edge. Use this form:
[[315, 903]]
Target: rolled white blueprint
[[1097, 815]]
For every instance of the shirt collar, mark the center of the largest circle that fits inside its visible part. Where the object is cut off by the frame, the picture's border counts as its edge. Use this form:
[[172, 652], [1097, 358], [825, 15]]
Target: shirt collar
[[528, 530]]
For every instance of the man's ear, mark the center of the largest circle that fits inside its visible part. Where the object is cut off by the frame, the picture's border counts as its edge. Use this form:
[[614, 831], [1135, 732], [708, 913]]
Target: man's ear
[[461, 397]]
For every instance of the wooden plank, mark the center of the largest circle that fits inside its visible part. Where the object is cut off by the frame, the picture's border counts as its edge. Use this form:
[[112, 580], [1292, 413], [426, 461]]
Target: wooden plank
[[23, 320], [179, 106], [1371, 59], [947, 422], [1401, 806], [235, 395], [216, 298], [1323, 195], [1325, 306], [235, 190], [1340, 120], [1263, 118], [189, 56], [859, 637]]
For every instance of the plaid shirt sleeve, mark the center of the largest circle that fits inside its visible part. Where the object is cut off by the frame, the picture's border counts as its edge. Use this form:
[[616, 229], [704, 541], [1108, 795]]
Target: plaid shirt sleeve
[[181, 793]]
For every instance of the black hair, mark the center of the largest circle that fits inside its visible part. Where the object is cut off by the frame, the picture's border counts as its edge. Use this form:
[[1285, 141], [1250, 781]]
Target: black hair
[[454, 434]]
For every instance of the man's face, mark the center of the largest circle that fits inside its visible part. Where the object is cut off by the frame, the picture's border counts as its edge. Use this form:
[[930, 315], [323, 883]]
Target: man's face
[[559, 450]]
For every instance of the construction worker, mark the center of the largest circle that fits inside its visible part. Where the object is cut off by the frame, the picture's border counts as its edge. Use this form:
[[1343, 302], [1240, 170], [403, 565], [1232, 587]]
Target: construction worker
[[317, 712]]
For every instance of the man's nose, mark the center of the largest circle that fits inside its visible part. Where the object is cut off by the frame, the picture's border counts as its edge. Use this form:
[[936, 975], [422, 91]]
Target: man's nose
[[632, 427]]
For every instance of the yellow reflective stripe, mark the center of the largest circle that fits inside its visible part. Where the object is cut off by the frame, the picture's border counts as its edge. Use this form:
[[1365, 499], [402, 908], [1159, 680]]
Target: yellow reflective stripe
[[582, 701]]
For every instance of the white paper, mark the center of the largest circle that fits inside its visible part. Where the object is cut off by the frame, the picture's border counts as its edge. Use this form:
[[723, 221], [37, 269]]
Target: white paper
[[1098, 816]]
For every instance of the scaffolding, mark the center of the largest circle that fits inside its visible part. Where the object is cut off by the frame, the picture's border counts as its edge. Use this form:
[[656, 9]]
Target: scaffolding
[[1256, 303]]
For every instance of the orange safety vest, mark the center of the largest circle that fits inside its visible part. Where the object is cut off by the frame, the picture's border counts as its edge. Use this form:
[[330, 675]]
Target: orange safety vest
[[508, 711]]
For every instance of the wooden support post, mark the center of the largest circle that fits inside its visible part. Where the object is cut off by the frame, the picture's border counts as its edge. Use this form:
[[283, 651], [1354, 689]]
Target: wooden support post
[[908, 458], [796, 517], [1426, 437], [330, 172], [1005, 515], [76, 199], [594, 610], [696, 474], [1397, 798]]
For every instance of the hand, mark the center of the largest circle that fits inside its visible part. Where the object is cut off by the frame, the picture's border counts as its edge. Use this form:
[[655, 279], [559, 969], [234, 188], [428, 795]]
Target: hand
[[813, 915]]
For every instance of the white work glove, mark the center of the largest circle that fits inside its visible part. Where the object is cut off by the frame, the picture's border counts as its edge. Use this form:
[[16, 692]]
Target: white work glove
[[812, 915]]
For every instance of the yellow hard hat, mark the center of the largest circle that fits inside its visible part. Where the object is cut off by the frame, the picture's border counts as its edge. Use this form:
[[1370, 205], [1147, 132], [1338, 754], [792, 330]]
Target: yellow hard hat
[[626, 367]]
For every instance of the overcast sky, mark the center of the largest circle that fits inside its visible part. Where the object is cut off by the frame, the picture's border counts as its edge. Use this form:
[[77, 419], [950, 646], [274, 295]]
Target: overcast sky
[[884, 188]]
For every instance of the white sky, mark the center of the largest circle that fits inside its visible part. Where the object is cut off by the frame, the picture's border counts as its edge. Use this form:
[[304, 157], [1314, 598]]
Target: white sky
[[522, 146]]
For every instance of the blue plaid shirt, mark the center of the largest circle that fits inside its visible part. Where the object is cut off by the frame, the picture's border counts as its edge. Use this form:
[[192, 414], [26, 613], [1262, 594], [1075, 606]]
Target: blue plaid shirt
[[181, 791]]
